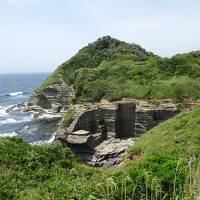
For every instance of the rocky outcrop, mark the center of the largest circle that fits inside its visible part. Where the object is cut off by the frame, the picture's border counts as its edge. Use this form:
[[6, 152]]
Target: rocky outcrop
[[108, 153], [101, 133], [150, 114], [101, 125], [54, 97]]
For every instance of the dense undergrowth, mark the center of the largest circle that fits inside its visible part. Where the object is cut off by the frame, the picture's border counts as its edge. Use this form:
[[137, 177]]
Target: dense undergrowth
[[112, 69], [163, 164]]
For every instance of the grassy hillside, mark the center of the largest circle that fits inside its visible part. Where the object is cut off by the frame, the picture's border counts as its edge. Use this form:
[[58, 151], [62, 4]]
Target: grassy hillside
[[163, 164], [91, 56], [112, 69]]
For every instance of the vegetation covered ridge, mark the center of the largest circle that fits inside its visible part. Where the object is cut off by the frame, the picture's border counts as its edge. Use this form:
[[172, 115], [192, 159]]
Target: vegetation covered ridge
[[163, 164], [113, 69]]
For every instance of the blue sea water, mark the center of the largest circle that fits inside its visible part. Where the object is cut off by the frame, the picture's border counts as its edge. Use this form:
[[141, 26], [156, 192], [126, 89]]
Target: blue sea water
[[15, 89]]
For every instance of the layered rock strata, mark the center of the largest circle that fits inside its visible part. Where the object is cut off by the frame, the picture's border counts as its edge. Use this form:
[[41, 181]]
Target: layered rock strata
[[150, 114], [54, 97], [101, 133]]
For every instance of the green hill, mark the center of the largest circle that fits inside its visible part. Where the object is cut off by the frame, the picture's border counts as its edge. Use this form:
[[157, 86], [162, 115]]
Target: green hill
[[163, 164], [112, 69]]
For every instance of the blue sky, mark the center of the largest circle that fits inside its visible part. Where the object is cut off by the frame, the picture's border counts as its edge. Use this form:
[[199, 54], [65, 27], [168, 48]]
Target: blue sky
[[38, 35]]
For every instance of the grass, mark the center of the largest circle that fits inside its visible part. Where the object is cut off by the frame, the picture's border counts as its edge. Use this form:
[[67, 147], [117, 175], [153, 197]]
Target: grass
[[170, 151], [163, 164], [92, 56]]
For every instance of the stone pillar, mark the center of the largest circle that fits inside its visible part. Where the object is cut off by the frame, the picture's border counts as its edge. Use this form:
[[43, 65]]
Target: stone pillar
[[126, 113], [111, 120]]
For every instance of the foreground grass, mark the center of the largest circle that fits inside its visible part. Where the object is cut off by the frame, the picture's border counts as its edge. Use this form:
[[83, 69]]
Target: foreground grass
[[164, 164], [41, 172]]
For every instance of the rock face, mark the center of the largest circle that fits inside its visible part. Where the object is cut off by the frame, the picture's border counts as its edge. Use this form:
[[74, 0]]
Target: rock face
[[79, 137], [116, 121], [108, 153], [100, 134], [95, 128], [149, 115], [54, 97]]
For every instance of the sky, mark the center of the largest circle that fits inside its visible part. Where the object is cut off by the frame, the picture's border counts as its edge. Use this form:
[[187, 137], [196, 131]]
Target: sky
[[39, 35]]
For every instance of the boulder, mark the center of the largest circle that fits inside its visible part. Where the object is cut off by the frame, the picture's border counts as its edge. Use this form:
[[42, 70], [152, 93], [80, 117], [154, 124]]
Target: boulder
[[110, 152], [79, 137]]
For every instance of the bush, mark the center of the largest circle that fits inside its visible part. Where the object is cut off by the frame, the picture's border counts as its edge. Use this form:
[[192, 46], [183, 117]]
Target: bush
[[68, 118]]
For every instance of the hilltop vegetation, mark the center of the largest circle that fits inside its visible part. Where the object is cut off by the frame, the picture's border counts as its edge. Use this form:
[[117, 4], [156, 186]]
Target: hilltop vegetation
[[163, 164], [91, 56], [112, 69]]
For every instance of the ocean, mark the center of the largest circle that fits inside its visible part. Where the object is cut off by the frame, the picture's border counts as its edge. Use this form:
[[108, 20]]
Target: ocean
[[15, 89]]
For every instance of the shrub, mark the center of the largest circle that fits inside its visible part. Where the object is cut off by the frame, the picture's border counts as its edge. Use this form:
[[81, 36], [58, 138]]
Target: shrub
[[69, 116]]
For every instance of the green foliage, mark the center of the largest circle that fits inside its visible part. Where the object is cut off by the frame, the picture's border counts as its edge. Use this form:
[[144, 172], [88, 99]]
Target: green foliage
[[92, 56], [68, 118], [25, 167], [114, 80]]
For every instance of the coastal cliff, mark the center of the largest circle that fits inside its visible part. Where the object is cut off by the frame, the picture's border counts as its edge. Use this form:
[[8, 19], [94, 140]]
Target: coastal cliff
[[111, 92]]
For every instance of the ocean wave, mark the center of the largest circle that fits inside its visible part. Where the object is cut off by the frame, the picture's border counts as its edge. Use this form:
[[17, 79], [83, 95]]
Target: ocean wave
[[15, 94], [3, 110], [44, 141], [12, 94], [8, 134], [8, 121], [49, 116]]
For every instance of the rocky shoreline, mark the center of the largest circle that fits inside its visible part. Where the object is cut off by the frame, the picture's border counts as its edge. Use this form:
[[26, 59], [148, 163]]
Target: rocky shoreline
[[100, 133]]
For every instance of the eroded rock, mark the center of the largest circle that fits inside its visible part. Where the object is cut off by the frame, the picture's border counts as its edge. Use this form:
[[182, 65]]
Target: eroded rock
[[54, 97], [101, 133]]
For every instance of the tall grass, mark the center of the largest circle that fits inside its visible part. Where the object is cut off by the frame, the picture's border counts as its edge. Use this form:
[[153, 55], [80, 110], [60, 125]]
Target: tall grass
[[111, 189]]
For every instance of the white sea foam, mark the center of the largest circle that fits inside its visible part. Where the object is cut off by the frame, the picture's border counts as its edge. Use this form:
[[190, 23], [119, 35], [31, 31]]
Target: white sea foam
[[15, 94], [44, 141], [8, 134], [3, 110], [8, 121], [15, 121], [49, 116]]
